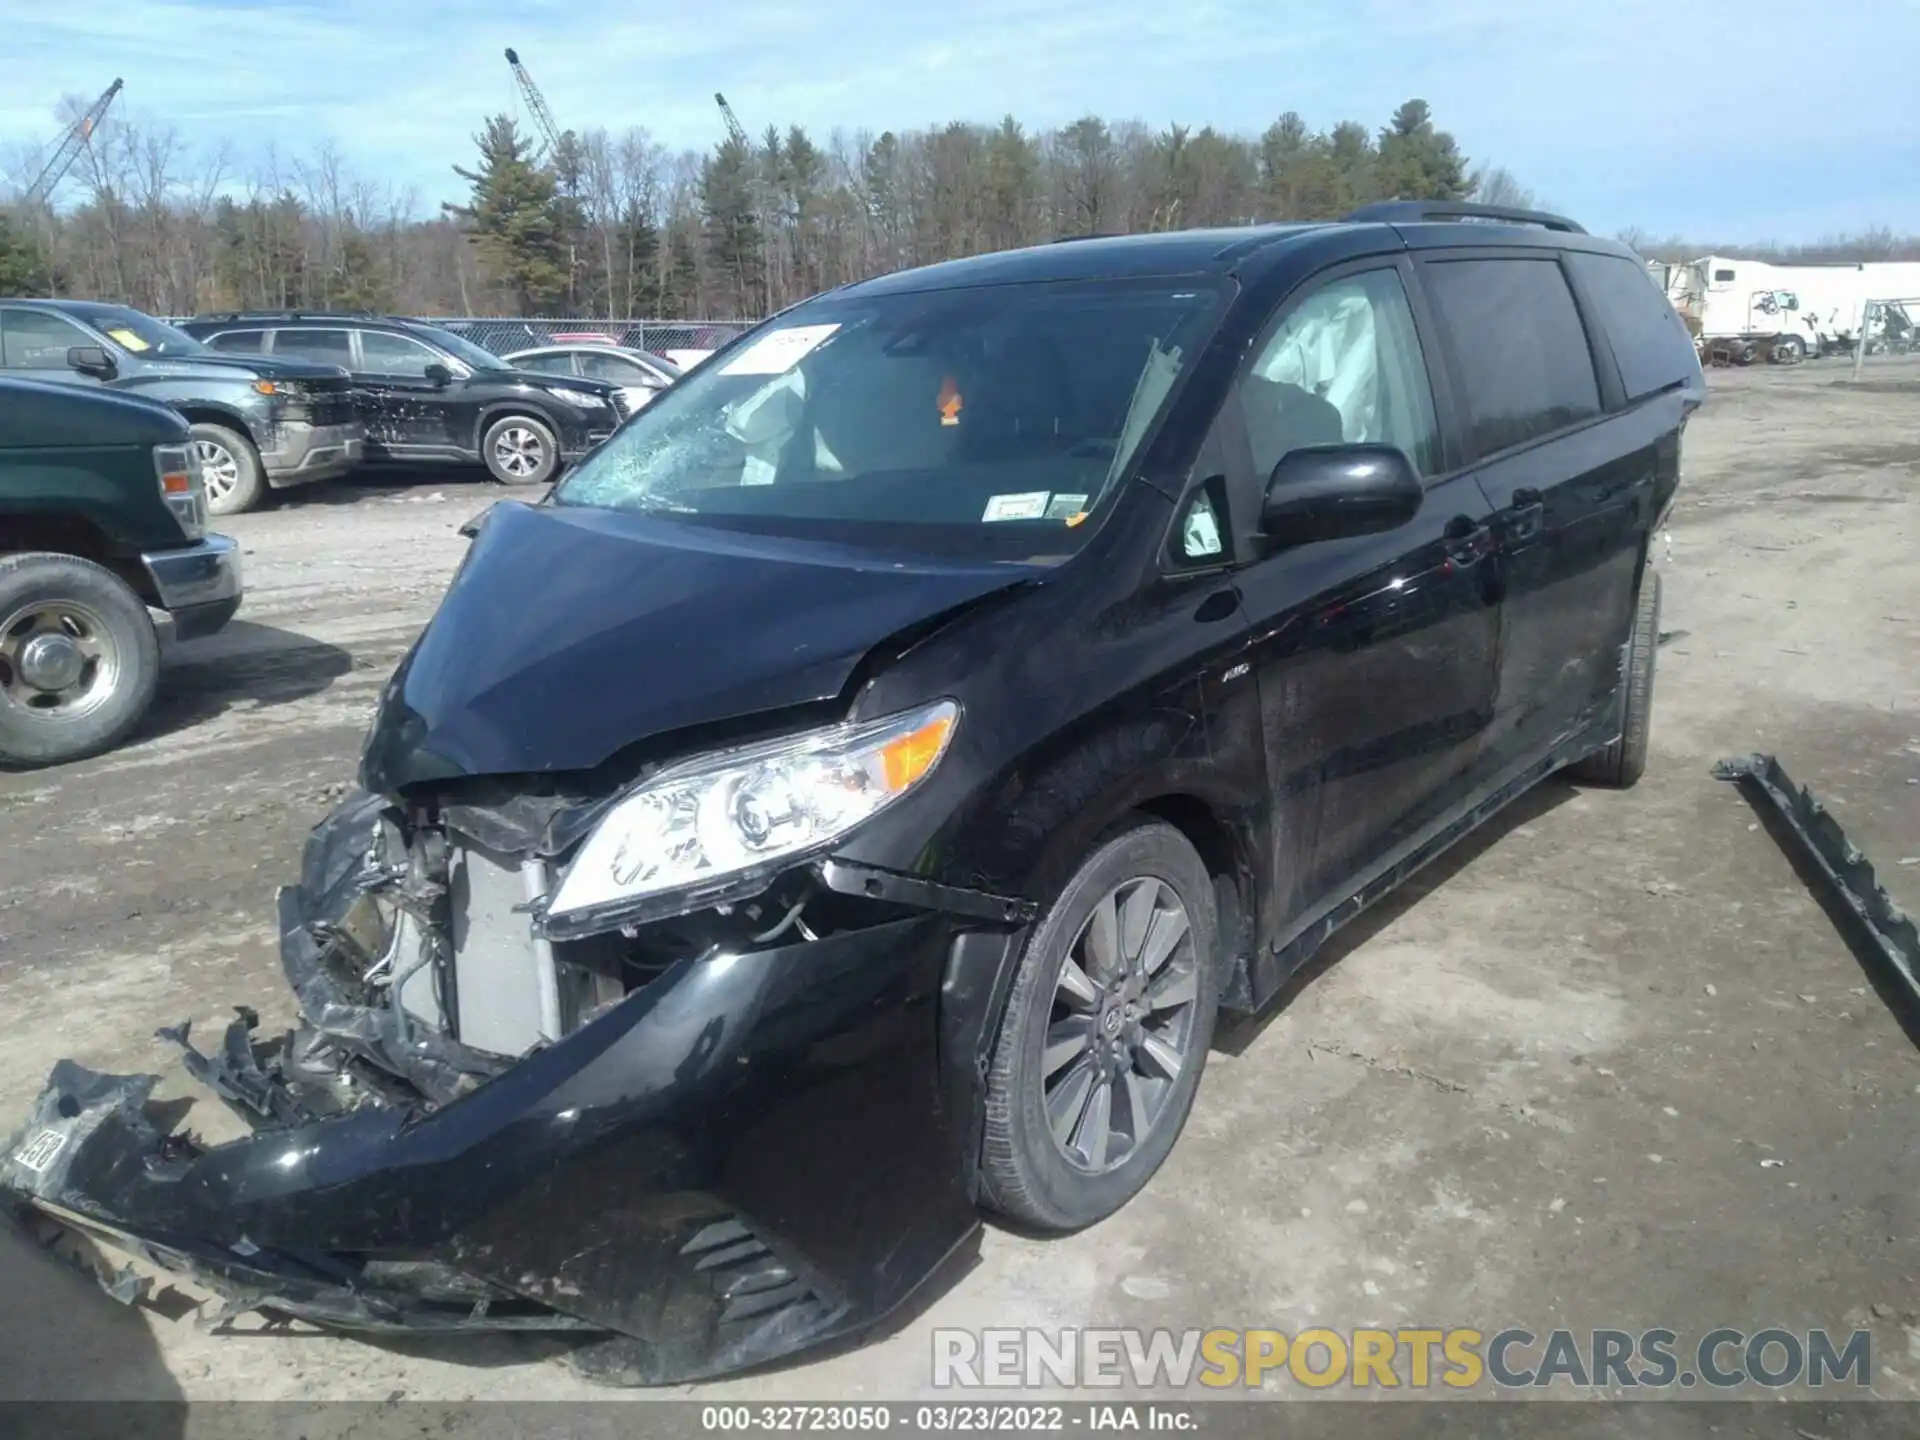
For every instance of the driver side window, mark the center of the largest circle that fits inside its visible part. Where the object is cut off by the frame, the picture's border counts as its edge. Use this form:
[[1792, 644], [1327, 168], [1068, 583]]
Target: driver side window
[[1342, 367]]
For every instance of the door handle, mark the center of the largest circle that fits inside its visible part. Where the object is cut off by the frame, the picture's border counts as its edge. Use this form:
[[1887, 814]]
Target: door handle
[[1528, 514], [1467, 540]]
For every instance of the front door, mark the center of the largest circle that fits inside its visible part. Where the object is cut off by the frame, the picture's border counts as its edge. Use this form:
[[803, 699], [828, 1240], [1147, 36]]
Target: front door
[[1376, 655], [406, 412], [34, 345]]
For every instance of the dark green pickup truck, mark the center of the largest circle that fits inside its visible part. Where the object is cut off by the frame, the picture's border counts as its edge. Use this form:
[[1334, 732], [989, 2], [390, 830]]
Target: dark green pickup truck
[[102, 515]]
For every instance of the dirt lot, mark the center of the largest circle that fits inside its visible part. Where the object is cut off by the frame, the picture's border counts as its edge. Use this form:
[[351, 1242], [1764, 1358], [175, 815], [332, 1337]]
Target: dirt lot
[[1539, 1089]]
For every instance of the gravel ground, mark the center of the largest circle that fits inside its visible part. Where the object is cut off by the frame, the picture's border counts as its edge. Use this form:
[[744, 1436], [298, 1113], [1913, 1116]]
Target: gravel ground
[[1545, 1086]]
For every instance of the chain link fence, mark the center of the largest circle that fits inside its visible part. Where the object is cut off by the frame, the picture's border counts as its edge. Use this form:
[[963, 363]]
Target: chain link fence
[[678, 340]]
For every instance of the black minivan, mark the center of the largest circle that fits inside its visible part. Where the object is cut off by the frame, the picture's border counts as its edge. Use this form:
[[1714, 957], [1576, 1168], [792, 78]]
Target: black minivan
[[849, 798]]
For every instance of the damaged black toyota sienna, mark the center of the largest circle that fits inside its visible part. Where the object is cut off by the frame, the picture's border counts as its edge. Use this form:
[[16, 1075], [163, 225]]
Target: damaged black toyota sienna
[[847, 801]]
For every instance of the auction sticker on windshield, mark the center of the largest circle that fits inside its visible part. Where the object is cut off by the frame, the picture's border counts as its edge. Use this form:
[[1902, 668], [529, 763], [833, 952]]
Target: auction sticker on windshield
[[128, 339], [1029, 505], [779, 352]]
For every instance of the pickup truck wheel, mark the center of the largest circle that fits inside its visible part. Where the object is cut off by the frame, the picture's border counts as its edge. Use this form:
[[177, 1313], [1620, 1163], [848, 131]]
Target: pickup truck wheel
[[78, 659], [230, 467], [1106, 1033], [520, 450], [1623, 762]]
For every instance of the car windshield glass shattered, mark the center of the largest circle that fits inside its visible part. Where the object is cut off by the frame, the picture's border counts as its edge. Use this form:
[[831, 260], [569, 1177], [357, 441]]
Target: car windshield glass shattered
[[461, 348], [144, 335], [987, 420]]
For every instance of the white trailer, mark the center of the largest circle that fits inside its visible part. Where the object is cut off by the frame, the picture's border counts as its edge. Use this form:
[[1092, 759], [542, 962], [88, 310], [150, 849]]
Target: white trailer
[[1740, 311]]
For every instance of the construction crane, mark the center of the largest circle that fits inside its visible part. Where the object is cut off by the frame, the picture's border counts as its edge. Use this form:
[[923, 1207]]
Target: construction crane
[[536, 102], [735, 130], [70, 147]]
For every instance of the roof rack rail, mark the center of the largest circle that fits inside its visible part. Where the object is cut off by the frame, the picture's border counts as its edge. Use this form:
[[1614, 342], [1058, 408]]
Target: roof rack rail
[[289, 315], [1412, 212]]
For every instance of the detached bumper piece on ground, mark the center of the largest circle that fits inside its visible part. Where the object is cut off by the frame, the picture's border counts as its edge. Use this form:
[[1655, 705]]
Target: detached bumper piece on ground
[[749, 1130], [1879, 931]]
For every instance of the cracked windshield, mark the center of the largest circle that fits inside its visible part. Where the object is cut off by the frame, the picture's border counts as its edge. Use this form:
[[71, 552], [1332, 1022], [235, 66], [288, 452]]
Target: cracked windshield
[[931, 418]]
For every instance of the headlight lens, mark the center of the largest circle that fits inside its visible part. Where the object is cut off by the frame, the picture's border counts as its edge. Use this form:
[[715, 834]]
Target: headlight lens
[[729, 815], [579, 399]]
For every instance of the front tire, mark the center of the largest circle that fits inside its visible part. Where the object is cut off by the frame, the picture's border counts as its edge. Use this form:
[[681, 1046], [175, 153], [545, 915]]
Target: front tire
[[520, 450], [230, 468], [1623, 762], [1105, 1035], [78, 659]]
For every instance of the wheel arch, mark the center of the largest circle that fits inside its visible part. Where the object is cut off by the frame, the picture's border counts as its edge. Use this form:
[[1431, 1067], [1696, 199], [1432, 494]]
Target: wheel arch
[[23, 532], [495, 411], [208, 412]]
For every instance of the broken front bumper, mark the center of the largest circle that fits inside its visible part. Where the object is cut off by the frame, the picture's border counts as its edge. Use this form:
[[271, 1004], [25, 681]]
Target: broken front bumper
[[748, 1156]]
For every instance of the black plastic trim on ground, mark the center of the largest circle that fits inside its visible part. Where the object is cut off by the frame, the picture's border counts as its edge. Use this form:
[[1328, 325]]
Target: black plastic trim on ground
[[1881, 933]]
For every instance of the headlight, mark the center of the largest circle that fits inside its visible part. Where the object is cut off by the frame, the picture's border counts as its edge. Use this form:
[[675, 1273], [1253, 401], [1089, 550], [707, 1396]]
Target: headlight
[[579, 399], [731, 815]]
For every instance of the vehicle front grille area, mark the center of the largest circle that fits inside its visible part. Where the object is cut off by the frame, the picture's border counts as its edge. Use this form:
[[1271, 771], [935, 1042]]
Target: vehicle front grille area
[[744, 1275]]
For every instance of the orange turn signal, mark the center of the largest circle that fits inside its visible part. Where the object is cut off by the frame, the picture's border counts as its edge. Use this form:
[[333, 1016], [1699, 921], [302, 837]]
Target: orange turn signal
[[266, 387], [905, 760], [176, 482]]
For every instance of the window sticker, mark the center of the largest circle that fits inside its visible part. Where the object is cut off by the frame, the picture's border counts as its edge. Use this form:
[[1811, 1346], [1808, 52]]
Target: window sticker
[[779, 352], [1028, 505], [950, 403], [1063, 507], [129, 339]]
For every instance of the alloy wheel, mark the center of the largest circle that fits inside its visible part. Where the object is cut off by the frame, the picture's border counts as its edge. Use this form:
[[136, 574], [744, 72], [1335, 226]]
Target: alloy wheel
[[519, 451], [219, 470], [1121, 1024]]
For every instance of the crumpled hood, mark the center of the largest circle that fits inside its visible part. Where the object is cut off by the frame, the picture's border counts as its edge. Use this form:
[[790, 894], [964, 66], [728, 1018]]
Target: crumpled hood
[[571, 633]]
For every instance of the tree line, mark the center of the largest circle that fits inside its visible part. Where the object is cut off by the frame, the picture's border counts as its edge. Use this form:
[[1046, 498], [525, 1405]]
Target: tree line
[[605, 224]]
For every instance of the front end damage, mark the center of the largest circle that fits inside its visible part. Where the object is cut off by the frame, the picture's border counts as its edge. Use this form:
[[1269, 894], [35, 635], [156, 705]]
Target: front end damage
[[711, 1139]]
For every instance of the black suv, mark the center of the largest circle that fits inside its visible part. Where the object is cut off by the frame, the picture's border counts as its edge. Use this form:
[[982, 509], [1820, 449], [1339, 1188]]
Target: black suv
[[427, 395], [257, 423], [848, 799]]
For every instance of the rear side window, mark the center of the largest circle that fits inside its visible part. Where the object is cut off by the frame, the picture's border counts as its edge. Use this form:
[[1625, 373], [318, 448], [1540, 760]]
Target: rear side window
[[1524, 363], [331, 347], [1649, 339], [238, 342]]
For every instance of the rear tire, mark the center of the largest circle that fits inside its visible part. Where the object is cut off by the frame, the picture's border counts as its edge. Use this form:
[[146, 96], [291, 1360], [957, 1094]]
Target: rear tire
[[520, 450], [231, 469], [1080, 1106], [1622, 763], [78, 659]]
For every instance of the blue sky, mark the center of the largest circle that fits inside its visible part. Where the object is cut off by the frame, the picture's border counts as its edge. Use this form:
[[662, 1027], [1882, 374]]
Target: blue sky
[[1734, 119]]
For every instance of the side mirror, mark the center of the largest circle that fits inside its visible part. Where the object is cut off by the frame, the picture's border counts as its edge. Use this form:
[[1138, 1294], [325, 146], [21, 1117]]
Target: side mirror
[[1330, 492], [91, 360], [438, 374]]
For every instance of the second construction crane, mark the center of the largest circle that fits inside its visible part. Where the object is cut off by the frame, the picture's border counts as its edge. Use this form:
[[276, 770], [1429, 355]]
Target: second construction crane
[[536, 102], [71, 144]]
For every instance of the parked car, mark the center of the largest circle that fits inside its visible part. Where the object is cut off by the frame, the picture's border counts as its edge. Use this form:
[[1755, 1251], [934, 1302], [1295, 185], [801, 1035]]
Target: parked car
[[639, 375], [102, 514], [258, 423], [849, 798], [428, 396]]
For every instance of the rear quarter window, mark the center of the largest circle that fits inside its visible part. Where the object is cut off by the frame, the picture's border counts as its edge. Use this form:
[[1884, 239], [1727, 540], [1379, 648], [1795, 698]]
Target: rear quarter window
[[1649, 339], [1522, 353], [238, 342]]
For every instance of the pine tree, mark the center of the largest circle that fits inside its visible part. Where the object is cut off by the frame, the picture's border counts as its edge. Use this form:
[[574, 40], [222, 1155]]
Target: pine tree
[[728, 206], [23, 267], [514, 220], [1418, 162]]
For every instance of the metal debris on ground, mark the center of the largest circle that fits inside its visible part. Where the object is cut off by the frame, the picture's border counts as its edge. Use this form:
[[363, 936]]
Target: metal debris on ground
[[1879, 929]]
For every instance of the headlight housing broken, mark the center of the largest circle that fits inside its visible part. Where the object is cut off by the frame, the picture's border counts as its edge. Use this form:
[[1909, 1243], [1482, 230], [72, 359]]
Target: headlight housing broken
[[736, 814]]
